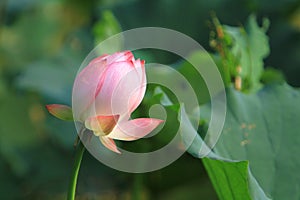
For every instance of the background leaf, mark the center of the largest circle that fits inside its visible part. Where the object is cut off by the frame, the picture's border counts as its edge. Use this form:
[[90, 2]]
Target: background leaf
[[103, 29]]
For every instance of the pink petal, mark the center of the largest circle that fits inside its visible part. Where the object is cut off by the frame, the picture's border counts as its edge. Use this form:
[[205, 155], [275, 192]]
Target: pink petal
[[109, 85], [120, 57], [139, 94], [109, 143], [99, 59], [134, 129], [85, 87], [121, 84], [101, 125]]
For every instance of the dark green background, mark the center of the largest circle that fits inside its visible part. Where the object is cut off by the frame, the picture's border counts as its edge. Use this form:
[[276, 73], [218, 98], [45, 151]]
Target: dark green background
[[42, 44]]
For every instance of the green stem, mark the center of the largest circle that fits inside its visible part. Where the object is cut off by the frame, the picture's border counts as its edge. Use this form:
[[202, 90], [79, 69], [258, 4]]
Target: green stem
[[73, 181], [137, 187]]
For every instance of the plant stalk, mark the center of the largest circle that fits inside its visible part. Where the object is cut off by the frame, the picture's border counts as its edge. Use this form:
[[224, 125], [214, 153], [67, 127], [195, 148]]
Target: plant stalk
[[73, 181]]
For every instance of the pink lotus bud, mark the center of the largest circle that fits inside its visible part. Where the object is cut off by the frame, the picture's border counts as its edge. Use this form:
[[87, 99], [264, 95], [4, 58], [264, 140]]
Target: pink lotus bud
[[106, 92]]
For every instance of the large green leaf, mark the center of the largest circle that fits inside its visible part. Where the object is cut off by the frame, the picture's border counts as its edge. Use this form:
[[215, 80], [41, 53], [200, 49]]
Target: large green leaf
[[233, 179], [230, 180], [263, 128], [224, 173]]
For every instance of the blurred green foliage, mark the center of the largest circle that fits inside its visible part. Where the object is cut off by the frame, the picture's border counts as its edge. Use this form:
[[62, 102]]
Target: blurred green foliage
[[42, 44], [242, 51]]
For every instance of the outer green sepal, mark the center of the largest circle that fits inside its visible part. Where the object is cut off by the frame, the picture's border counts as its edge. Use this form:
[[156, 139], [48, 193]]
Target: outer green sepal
[[62, 112]]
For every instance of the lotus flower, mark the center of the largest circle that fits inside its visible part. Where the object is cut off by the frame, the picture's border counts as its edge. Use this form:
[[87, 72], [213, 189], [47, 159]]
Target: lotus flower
[[106, 92]]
